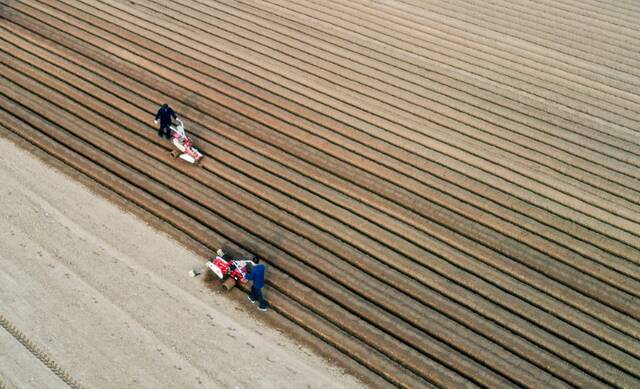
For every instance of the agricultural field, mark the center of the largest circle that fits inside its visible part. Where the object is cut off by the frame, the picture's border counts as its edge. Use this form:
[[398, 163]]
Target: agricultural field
[[446, 193]]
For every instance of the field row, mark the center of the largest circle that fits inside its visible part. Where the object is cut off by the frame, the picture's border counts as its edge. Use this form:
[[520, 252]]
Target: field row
[[435, 225]]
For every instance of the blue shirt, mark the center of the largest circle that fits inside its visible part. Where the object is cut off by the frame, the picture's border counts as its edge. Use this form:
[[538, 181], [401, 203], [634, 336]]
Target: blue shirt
[[257, 276]]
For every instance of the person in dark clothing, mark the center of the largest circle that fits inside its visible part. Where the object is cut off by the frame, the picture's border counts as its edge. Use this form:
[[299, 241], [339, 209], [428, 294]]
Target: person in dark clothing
[[256, 274], [165, 114]]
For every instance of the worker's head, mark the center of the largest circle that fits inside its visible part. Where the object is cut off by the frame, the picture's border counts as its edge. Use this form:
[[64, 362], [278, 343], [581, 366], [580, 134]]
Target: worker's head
[[249, 268], [257, 259], [165, 105]]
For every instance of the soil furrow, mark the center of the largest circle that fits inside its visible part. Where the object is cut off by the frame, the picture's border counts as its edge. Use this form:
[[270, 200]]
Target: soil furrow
[[398, 375], [422, 224], [480, 131], [462, 59], [371, 49], [551, 23], [611, 65], [301, 228], [186, 225], [223, 154]]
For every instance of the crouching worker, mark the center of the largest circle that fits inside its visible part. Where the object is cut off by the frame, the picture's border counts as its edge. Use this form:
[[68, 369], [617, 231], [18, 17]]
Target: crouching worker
[[256, 274]]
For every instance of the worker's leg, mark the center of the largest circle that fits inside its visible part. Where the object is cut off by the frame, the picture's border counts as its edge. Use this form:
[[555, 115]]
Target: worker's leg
[[167, 131], [263, 304], [252, 295]]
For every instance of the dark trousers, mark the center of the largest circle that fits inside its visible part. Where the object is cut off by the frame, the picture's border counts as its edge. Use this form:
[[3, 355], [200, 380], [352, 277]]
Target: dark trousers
[[165, 130], [256, 294]]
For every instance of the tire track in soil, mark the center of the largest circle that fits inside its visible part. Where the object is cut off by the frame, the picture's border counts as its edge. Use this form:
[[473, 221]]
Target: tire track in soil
[[37, 352]]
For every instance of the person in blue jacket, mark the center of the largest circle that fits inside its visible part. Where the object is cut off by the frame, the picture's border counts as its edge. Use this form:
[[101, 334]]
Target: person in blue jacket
[[165, 114], [256, 274]]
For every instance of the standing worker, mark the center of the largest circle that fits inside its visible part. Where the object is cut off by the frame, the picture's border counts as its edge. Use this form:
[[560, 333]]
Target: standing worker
[[256, 274], [165, 114]]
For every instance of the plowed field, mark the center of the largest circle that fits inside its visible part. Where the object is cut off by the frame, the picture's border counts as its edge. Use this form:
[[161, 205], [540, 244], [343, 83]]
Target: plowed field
[[446, 192]]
